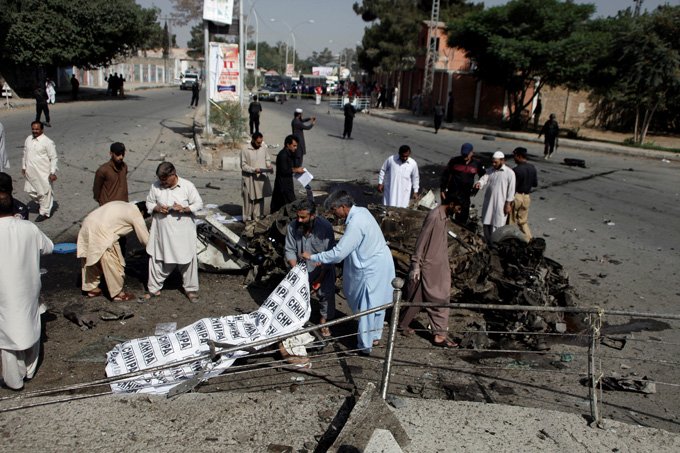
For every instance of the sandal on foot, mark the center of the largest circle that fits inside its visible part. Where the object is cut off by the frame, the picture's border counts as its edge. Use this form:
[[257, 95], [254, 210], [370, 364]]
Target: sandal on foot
[[193, 296], [325, 332], [123, 297], [376, 343], [94, 293], [446, 344], [407, 332], [151, 295]]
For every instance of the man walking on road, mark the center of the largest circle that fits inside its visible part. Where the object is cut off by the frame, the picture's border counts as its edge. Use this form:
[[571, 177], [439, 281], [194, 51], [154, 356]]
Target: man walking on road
[[41, 105], [550, 130], [195, 89], [99, 248], [368, 268], [39, 167], [350, 111], [286, 167], [499, 195], [458, 180], [173, 201], [430, 274], [255, 164], [75, 86], [525, 179], [254, 111], [299, 125], [21, 244], [309, 233], [110, 180], [4, 161], [398, 176]]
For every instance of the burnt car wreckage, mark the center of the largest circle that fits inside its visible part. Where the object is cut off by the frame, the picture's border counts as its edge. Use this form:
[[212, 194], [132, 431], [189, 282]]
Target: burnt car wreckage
[[513, 272]]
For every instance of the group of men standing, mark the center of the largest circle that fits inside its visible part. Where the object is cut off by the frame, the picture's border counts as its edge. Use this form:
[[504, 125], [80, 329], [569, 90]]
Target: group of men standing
[[115, 85]]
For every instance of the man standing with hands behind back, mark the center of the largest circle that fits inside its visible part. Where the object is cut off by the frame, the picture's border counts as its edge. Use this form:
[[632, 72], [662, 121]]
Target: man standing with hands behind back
[[255, 164], [110, 180], [39, 167]]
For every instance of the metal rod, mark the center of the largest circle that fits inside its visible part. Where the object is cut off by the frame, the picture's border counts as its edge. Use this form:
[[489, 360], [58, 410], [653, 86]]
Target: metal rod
[[594, 337], [591, 310], [397, 284]]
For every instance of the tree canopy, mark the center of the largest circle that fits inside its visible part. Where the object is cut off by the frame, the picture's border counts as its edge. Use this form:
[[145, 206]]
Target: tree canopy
[[525, 41], [84, 33]]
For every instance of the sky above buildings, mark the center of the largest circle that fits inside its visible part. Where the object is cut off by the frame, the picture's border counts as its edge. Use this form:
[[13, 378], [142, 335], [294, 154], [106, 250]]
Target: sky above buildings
[[335, 25]]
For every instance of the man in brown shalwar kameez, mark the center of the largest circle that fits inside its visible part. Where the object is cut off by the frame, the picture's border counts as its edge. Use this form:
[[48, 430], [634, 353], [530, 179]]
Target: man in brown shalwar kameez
[[255, 164], [430, 275]]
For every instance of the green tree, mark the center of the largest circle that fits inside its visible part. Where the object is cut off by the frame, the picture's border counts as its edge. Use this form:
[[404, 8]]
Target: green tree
[[525, 41], [637, 73], [81, 33]]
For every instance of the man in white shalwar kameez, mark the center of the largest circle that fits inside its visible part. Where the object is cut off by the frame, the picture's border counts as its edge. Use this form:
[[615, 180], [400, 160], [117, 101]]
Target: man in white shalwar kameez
[[368, 268], [100, 251], [499, 195], [39, 167], [21, 244], [172, 201], [398, 176]]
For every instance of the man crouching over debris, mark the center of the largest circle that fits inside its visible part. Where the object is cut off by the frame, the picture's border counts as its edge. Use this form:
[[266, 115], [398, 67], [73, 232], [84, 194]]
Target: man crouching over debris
[[21, 244], [368, 268], [430, 274], [309, 233], [99, 249]]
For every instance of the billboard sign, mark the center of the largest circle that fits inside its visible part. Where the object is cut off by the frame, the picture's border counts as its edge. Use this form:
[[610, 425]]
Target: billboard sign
[[218, 11], [225, 72], [251, 58]]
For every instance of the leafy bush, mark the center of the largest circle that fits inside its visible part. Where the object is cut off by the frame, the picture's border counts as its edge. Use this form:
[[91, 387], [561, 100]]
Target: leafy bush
[[227, 117]]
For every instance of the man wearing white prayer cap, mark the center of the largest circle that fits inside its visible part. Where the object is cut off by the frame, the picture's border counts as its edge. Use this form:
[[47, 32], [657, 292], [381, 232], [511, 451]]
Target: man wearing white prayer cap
[[499, 194]]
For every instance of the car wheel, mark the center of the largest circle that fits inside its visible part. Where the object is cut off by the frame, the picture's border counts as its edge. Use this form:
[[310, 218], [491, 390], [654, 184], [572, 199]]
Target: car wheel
[[276, 98]]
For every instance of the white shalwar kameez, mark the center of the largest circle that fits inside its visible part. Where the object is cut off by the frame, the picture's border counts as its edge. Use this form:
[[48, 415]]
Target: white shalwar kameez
[[21, 244], [368, 270], [399, 178], [172, 239], [501, 189], [39, 161]]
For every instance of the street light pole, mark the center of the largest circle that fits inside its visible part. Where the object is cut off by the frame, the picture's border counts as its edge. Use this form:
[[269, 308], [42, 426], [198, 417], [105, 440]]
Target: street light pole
[[291, 31]]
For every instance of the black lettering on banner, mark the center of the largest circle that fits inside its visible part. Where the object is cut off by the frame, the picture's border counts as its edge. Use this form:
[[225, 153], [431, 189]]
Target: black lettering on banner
[[261, 319], [178, 374], [271, 330], [128, 386], [165, 344], [292, 278], [184, 339], [202, 332], [250, 329], [233, 330], [284, 319], [160, 377], [128, 355], [148, 354], [269, 304], [304, 292], [281, 291], [297, 308], [196, 366], [218, 328]]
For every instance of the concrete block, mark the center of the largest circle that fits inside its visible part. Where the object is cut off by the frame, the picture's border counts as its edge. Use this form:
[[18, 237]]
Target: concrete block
[[231, 163], [382, 441], [370, 412], [205, 159]]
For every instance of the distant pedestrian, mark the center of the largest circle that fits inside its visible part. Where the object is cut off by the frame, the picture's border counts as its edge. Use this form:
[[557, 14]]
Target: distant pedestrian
[[551, 131], [51, 92], [254, 112], [255, 164], [4, 161], [121, 86], [499, 195], [430, 275], [299, 125], [286, 168], [110, 179], [458, 179], [172, 201], [75, 86], [537, 112], [109, 84], [21, 243], [525, 179], [350, 111], [398, 177], [195, 89], [438, 116], [39, 167], [115, 84], [41, 105], [381, 98]]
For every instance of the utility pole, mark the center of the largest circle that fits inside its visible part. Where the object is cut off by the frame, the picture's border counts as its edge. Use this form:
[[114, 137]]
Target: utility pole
[[638, 7], [431, 58]]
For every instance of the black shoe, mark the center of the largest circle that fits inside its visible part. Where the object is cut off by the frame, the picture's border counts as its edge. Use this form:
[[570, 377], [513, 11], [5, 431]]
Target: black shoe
[[48, 125], [41, 218]]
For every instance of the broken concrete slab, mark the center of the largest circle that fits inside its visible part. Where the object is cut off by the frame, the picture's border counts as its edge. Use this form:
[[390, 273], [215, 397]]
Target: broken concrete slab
[[370, 412], [382, 441]]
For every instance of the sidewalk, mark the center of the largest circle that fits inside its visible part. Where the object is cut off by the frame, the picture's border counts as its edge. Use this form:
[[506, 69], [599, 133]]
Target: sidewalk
[[405, 116]]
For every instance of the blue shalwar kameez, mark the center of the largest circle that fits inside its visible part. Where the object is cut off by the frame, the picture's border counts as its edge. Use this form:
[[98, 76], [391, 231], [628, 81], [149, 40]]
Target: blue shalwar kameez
[[368, 271]]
